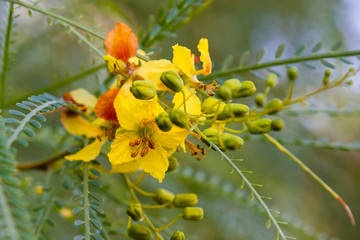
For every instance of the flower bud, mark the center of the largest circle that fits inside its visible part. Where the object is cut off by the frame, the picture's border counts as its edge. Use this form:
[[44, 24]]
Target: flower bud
[[247, 89], [292, 73], [274, 106], [327, 72], [277, 125], [260, 99], [135, 211], [232, 142], [271, 80], [143, 89], [234, 84], [164, 122], [139, 232], [178, 236], [163, 196], [212, 134], [211, 105], [179, 118], [173, 164], [172, 80], [260, 126], [235, 110], [225, 93], [193, 213], [185, 200]]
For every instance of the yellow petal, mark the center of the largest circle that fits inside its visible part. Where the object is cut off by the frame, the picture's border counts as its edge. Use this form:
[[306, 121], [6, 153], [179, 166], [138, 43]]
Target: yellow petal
[[183, 59], [131, 112], [170, 140], [125, 89], [155, 162], [77, 125], [120, 149], [83, 97], [113, 64], [203, 48], [193, 103], [135, 60], [125, 167], [152, 71], [89, 152]]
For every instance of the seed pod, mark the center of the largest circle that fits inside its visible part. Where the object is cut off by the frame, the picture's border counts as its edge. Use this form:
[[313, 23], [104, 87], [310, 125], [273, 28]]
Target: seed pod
[[185, 200], [211, 105], [139, 232], [292, 73], [235, 110], [143, 89], [225, 93], [260, 126], [135, 211], [173, 164], [193, 213], [274, 106], [260, 99], [178, 236], [247, 89], [179, 118], [163, 196], [232, 142], [234, 84], [271, 80], [164, 122], [277, 125], [172, 80]]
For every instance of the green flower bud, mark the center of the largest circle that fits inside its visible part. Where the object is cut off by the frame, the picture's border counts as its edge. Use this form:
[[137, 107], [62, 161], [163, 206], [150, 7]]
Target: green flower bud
[[260, 126], [236, 110], [327, 72], [143, 89], [179, 118], [292, 73], [211, 105], [139, 232], [212, 134], [225, 93], [164, 122], [173, 164], [172, 80], [185, 200], [326, 80], [234, 84], [247, 89], [271, 80], [274, 106], [260, 99], [277, 125], [178, 236], [135, 211], [232, 142], [163, 196], [193, 213], [350, 82]]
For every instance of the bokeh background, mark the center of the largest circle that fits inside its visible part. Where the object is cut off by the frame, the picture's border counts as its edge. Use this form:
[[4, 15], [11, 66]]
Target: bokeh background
[[45, 54]]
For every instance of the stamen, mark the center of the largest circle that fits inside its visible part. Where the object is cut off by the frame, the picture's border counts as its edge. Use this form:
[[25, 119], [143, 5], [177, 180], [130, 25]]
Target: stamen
[[138, 140], [151, 144], [144, 151], [132, 143], [134, 153]]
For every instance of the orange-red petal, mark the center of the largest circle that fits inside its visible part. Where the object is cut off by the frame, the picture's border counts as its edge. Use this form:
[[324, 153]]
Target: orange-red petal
[[104, 107], [121, 42]]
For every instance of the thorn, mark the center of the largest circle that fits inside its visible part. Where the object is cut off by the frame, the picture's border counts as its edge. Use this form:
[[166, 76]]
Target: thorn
[[347, 209]]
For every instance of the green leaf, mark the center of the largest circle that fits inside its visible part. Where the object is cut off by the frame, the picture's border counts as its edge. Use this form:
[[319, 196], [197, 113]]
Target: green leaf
[[96, 197], [95, 184], [96, 223], [300, 50], [22, 142], [245, 57], [40, 117], [35, 123], [97, 208], [16, 113], [336, 46], [317, 47], [29, 132], [78, 222], [51, 222], [260, 54], [95, 172], [11, 120], [96, 236], [280, 50], [30, 104], [20, 105], [76, 197], [78, 237], [327, 64], [77, 210]]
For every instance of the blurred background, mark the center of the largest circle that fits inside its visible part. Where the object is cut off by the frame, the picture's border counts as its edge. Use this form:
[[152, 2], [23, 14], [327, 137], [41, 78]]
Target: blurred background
[[46, 54]]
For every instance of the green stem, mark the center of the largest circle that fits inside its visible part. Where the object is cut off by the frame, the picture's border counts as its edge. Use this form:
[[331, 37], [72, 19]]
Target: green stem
[[86, 202], [57, 85], [6, 55], [248, 183], [50, 200], [170, 223], [312, 57], [312, 174]]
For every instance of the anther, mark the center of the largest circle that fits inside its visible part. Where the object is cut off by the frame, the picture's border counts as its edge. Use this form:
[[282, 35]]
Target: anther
[[132, 143], [138, 141], [144, 151], [134, 153], [151, 144]]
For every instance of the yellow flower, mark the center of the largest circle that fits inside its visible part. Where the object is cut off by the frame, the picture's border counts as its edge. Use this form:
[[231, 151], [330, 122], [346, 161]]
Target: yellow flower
[[184, 59], [139, 142]]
